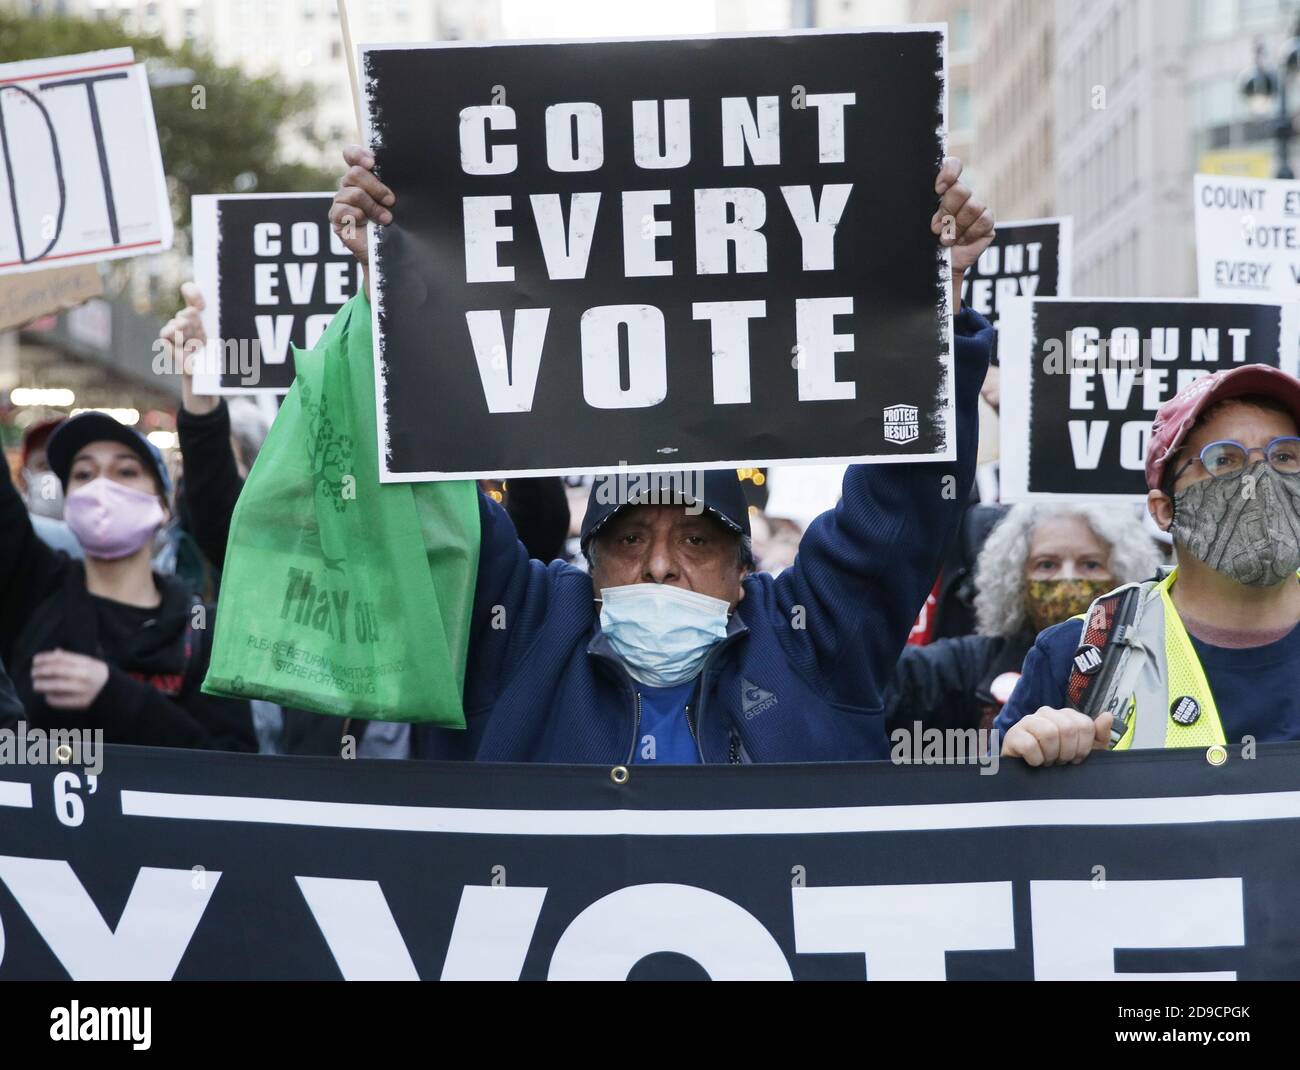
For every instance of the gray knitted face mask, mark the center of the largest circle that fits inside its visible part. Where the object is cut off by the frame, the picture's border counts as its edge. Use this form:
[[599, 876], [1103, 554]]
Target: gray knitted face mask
[[1248, 528]]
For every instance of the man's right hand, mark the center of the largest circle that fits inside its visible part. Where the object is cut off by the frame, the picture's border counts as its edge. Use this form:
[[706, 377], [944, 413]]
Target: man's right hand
[[361, 198], [1057, 737]]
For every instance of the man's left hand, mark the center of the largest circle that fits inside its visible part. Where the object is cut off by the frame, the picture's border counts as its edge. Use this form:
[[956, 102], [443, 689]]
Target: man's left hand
[[961, 222]]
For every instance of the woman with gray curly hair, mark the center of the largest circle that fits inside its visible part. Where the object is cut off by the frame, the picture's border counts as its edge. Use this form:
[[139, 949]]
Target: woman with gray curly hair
[[1042, 564]]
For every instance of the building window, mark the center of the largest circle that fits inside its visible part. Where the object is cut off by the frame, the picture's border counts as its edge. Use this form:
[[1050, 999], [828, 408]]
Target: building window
[[1259, 12], [962, 116], [1214, 102], [962, 28], [1214, 18]]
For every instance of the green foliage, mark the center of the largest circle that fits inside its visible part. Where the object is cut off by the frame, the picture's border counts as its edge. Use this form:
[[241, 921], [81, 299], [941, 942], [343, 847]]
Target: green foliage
[[239, 130]]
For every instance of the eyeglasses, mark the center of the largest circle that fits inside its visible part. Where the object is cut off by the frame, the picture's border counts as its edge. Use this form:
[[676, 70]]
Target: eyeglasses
[[1227, 458]]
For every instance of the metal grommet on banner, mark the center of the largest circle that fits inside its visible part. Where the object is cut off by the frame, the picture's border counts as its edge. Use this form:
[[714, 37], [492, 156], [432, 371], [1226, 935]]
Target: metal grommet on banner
[[1217, 754], [63, 753], [619, 774]]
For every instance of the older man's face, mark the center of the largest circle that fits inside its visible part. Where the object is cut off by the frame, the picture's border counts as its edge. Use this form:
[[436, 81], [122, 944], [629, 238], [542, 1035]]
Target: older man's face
[[666, 544]]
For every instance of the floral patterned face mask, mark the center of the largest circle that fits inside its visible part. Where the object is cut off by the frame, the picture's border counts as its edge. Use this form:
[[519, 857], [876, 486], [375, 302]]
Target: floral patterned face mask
[[1049, 602]]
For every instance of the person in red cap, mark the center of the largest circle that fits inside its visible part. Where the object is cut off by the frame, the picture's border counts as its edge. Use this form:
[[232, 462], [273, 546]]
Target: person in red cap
[[1209, 653], [39, 486]]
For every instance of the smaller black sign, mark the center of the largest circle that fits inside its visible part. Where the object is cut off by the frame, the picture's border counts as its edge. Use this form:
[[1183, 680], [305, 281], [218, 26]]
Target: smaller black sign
[[1082, 380], [1027, 259], [273, 274]]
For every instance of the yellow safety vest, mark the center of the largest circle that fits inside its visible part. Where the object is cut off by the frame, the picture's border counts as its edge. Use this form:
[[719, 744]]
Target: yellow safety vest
[[1184, 680], [1169, 684], [1170, 702]]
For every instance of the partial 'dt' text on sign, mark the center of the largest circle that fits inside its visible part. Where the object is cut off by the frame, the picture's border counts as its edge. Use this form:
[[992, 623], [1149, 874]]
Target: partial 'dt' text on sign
[[81, 177], [1082, 380], [660, 253]]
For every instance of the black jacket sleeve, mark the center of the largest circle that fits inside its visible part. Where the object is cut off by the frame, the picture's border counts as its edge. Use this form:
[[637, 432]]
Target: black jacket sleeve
[[11, 706], [539, 508], [936, 684], [130, 711], [212, 482], [29, 569], [133, 711]]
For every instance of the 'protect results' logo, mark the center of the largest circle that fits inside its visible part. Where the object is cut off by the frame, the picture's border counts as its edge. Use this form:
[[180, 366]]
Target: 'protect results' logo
[[901, 424]]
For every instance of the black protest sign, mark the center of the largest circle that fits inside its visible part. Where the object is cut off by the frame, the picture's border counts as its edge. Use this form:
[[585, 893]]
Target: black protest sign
[[1082, 380], [81, 177], [675, 253], [273, 273], [189, 865], [1032, 258]]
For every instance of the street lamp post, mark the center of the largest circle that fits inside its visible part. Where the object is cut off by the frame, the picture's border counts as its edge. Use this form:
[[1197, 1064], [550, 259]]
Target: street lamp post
[[1265, 87]]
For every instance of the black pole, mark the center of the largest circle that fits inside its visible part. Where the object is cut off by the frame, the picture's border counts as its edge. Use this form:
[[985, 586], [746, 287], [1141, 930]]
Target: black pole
[[1283, 131]]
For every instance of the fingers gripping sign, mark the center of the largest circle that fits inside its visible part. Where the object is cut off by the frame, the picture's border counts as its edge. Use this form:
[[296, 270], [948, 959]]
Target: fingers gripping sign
[[361, 199], [1057, 737], [962, 222]]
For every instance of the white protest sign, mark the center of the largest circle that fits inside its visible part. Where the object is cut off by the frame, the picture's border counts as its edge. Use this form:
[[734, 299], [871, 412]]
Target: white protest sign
[[1247, 238], [82, 177]]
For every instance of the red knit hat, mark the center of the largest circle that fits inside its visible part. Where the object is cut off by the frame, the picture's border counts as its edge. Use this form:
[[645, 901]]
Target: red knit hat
[[1177, 416]]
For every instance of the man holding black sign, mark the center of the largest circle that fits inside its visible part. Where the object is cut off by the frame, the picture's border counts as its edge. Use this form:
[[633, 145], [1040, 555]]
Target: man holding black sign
[[1210, 654], [684, 654]]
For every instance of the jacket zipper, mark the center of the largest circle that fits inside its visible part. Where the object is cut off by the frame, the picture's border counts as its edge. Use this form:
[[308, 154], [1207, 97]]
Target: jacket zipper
[[699, 712], [636, 716], [636, 726]]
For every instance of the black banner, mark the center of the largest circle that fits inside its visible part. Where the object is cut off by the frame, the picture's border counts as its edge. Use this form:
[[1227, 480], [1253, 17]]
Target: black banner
[[1028, 259], [1082, 380], [676, 253], [273, 274], [190, 865]]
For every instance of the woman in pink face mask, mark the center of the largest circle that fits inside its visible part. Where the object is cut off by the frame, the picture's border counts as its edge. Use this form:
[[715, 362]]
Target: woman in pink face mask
[[108, 643]]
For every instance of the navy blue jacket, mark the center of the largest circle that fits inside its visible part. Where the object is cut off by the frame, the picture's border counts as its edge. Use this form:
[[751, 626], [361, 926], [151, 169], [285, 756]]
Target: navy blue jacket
[[800, 675]]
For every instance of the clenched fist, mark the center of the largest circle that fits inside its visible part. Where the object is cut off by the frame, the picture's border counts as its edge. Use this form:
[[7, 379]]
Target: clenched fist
[[361, 198], [961, 221], [1057, 737], [184, 337]]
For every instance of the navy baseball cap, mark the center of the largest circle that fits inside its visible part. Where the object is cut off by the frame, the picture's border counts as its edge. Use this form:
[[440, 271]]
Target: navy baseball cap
[[73, 435], [720, 491]]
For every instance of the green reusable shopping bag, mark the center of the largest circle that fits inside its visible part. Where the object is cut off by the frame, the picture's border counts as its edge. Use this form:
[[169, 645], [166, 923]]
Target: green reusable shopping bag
[[341, 594]]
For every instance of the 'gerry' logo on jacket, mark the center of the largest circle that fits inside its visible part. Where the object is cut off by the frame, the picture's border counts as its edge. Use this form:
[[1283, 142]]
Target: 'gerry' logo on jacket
[[754, 700]]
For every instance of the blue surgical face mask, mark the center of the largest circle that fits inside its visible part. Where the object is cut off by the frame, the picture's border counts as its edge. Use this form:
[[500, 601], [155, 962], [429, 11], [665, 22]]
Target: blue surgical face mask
[[662, 633]]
